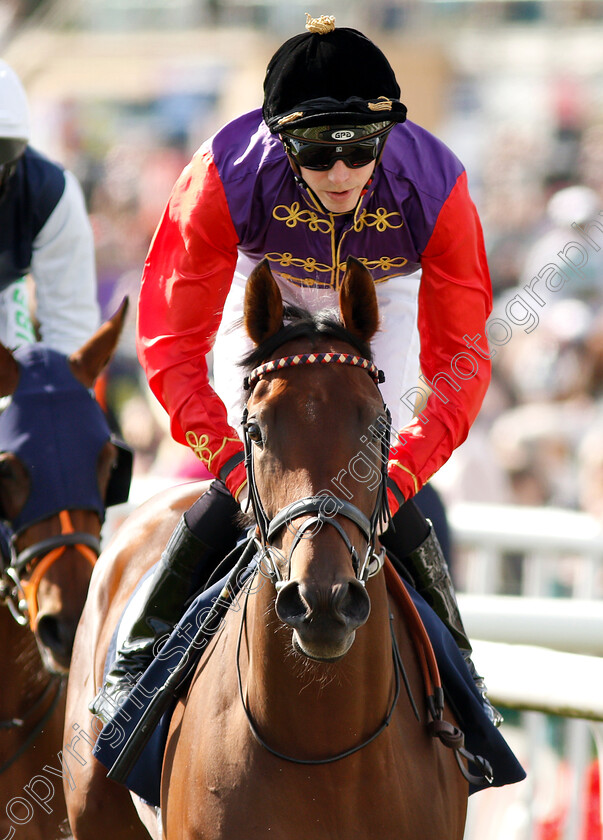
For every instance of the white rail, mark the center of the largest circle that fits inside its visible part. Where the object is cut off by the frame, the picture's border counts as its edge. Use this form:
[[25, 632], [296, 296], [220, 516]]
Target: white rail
[[572, 625], [513, 527], [537, 653], [555, 549], [526, 677]]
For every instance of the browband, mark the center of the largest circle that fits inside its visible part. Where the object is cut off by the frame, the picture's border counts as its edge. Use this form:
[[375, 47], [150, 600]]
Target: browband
[[312, 359]]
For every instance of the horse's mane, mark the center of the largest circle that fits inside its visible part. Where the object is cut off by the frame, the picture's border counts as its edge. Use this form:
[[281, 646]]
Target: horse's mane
[[300, 323]]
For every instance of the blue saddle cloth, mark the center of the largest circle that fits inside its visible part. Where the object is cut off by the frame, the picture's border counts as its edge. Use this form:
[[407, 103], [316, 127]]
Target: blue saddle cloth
[[481, 736]]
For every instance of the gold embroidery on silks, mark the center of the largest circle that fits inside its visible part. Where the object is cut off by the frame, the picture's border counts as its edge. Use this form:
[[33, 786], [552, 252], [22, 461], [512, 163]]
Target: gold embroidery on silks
[[309, 264], [200, 447], [294, 215], [385, 263], [406, 470], [379, 220], [307, 283]]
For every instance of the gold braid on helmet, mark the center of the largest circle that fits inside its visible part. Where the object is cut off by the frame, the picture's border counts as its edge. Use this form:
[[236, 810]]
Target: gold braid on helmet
[[321, 25]]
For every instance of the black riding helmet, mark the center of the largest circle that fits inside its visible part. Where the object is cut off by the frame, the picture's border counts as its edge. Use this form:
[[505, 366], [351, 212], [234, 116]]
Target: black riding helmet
[[329, 76]]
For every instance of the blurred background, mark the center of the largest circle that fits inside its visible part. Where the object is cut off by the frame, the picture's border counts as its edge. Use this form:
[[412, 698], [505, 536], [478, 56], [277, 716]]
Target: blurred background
[[122, 92]]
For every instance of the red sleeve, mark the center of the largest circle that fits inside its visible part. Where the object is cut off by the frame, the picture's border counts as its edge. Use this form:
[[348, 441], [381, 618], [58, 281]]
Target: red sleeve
[[187, 275], [455, 299]]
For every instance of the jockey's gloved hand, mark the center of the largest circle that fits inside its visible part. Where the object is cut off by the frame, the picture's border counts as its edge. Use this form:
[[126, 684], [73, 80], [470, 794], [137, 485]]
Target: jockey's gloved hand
[[213, 518]]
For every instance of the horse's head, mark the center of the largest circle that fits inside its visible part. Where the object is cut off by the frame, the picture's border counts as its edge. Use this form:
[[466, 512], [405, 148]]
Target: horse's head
[[316, 433], [59, 468]]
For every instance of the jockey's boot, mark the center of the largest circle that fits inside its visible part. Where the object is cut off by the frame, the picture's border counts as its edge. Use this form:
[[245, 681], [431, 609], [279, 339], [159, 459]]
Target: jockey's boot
[[429, 569], [186, 564]]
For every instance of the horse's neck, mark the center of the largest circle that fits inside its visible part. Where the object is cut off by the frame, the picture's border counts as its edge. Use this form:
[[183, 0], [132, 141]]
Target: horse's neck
[[349, 696], [21, 659]]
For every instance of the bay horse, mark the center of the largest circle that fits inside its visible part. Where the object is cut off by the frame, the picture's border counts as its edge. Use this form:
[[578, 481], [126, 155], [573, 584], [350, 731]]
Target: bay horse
[[294, 724], [58, 470]]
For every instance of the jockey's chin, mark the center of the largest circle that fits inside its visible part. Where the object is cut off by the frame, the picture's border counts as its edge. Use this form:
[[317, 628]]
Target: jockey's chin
[[339, 188]]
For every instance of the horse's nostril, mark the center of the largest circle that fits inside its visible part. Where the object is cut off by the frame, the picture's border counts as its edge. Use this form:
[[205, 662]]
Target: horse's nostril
[[290, 607], [55, 635], [352, 602], [347, 603]]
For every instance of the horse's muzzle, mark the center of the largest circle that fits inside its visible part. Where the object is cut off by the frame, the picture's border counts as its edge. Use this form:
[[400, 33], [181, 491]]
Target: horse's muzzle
[[324, 619]]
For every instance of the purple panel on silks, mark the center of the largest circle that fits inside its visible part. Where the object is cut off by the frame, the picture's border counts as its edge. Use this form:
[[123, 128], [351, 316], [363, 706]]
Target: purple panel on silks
[[276, 217]]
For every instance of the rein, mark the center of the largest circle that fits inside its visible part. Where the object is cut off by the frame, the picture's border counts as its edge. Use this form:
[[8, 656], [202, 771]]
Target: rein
[[450, 736], [398, 669], [21, 596]]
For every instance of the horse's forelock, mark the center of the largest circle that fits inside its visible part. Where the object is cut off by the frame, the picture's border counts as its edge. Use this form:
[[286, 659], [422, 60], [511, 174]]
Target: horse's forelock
[[300, 323]]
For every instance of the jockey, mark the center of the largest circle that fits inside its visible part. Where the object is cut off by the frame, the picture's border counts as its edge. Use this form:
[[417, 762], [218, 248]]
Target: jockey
[[329, 168], [45, 232]]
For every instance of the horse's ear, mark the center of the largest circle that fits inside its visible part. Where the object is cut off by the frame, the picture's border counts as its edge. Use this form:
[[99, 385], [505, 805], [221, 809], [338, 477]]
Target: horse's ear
[[263, 310], [9, 372], [358, 301], [89, 361]]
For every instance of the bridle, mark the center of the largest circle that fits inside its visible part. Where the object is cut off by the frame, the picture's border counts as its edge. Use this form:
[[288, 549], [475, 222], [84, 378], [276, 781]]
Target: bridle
[[371, 564], [21, 596], [323, 508], [268, 528]]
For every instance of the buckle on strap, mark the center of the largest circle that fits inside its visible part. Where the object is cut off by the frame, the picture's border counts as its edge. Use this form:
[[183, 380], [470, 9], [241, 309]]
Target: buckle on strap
[[452, 737]]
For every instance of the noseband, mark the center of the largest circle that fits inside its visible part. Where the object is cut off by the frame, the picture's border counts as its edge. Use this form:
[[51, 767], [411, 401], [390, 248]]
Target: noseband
[[324, 507], [21, 596]]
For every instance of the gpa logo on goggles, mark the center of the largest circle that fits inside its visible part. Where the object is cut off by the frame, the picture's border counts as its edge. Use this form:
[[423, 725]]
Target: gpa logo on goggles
[[342, 135]]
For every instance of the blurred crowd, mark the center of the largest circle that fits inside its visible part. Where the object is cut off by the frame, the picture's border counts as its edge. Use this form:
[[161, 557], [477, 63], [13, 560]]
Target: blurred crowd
[[539, 437]]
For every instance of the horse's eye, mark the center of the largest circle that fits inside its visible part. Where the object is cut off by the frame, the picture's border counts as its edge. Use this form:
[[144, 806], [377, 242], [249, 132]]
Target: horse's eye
[[255, 433], [379, 428]]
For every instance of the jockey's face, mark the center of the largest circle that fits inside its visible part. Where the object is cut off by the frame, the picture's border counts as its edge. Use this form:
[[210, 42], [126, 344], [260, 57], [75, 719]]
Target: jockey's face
[[6, 172], [339, 188]]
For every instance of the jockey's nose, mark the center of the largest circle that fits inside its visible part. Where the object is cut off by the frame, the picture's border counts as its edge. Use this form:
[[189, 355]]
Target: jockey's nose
[[339, 173]]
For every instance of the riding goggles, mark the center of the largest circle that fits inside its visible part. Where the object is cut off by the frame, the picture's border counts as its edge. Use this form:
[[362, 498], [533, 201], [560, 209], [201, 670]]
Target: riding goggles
[[322, 156]]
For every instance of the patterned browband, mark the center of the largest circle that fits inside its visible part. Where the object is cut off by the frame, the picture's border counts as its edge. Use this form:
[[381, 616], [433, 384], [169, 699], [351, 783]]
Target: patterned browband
[[313, 359]]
